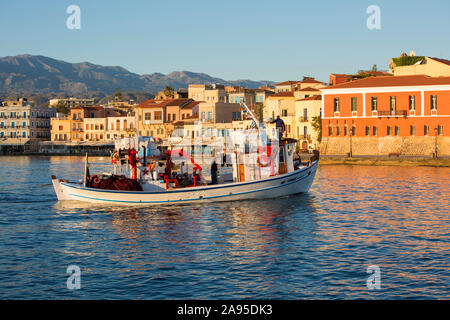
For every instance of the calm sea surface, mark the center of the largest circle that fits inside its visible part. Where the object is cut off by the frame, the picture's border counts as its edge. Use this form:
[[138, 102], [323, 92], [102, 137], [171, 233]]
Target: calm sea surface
[[316, 245]]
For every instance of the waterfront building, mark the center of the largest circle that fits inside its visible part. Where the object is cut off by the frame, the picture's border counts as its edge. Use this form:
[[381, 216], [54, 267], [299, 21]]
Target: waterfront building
[[95, 129], [121, 126], [179, 109], [60, 128], [151, 118], [307, 111], [279, 104], [75, 122], [382, 116], [23, 126]]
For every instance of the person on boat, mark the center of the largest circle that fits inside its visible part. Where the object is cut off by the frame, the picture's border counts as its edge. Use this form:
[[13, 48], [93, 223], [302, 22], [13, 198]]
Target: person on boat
[[214, 172], [279, 123]]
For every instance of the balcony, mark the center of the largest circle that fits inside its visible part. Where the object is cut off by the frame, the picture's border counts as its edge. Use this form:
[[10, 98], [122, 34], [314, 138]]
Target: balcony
[[392, 113]]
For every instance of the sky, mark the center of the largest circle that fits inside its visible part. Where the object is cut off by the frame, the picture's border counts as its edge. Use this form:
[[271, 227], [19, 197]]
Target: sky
[[245, 39]]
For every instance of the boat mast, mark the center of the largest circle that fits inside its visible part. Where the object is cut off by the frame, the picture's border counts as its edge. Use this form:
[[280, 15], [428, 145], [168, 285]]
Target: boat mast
[[85, 170], [251, 114]]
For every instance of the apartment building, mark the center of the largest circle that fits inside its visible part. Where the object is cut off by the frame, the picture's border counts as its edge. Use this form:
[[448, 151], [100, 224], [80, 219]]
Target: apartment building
[[23, 126]]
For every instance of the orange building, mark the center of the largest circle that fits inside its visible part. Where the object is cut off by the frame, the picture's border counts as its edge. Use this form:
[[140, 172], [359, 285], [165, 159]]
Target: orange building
[[71, 128], [380, 107]]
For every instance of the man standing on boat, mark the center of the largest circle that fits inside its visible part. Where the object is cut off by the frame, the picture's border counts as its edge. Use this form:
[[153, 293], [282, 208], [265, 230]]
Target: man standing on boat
[[214, 172], [280, 126]]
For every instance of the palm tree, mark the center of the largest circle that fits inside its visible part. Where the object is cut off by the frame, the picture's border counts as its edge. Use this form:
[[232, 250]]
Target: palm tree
[[169, 92]]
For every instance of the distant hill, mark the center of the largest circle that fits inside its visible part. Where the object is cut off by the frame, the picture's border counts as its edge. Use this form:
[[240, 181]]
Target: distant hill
[[32, 75]]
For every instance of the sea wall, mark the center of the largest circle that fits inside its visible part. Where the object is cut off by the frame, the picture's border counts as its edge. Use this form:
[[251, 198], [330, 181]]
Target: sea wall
[[386, 146]]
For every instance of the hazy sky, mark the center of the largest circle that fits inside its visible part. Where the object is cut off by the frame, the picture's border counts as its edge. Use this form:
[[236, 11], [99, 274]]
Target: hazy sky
[[258, 40]]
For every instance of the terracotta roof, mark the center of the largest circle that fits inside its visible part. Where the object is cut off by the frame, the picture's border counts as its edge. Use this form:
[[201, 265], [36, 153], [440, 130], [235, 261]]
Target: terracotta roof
[[191, 105], [152, 103], [393, 81], [178, 102], [318, 97], [287, 83], [282, 94], [310, 80], [308, 89]]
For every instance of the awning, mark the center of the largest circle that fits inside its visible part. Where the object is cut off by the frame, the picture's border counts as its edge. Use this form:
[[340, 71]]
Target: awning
[[14, 142]]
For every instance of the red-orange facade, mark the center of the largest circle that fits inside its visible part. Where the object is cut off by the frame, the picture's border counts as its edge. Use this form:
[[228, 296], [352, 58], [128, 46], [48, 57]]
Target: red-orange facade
[[387, 106]]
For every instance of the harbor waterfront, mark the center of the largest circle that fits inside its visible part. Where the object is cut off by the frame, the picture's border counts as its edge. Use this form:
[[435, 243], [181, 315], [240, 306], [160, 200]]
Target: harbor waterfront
[[312, 246]]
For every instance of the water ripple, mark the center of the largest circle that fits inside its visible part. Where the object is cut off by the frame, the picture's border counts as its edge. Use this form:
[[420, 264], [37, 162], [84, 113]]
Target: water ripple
[[313, 246]]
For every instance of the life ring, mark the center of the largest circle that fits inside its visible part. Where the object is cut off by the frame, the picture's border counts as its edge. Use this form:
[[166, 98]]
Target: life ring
[[265, 161], [263, 158], [114, 157]]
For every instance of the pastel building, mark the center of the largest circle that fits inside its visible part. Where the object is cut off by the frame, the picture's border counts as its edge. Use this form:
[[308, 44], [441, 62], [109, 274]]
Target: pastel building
[[306, 112], [151, 118], [95, 129], [119, 127], [208, 93], [23, 126]]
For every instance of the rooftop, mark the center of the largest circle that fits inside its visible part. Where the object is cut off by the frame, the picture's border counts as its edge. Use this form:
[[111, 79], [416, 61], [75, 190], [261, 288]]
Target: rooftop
[[393, 81], [287, 83], [312, 98], [282, 94], [308, 89]]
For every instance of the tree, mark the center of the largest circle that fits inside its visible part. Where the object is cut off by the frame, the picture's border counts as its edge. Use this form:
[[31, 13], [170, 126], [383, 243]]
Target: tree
[[169, 92], [374, 68], [118, 94], [317, 125], [61, 107]]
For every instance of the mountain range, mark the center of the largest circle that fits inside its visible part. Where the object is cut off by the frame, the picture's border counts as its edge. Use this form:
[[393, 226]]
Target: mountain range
[[33, 74]]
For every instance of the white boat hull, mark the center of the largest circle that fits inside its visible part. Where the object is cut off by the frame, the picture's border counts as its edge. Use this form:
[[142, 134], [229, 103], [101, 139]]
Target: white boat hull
[[295, 182]]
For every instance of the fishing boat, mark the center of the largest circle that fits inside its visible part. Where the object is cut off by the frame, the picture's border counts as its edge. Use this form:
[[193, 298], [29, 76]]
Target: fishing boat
[[260, 166]]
